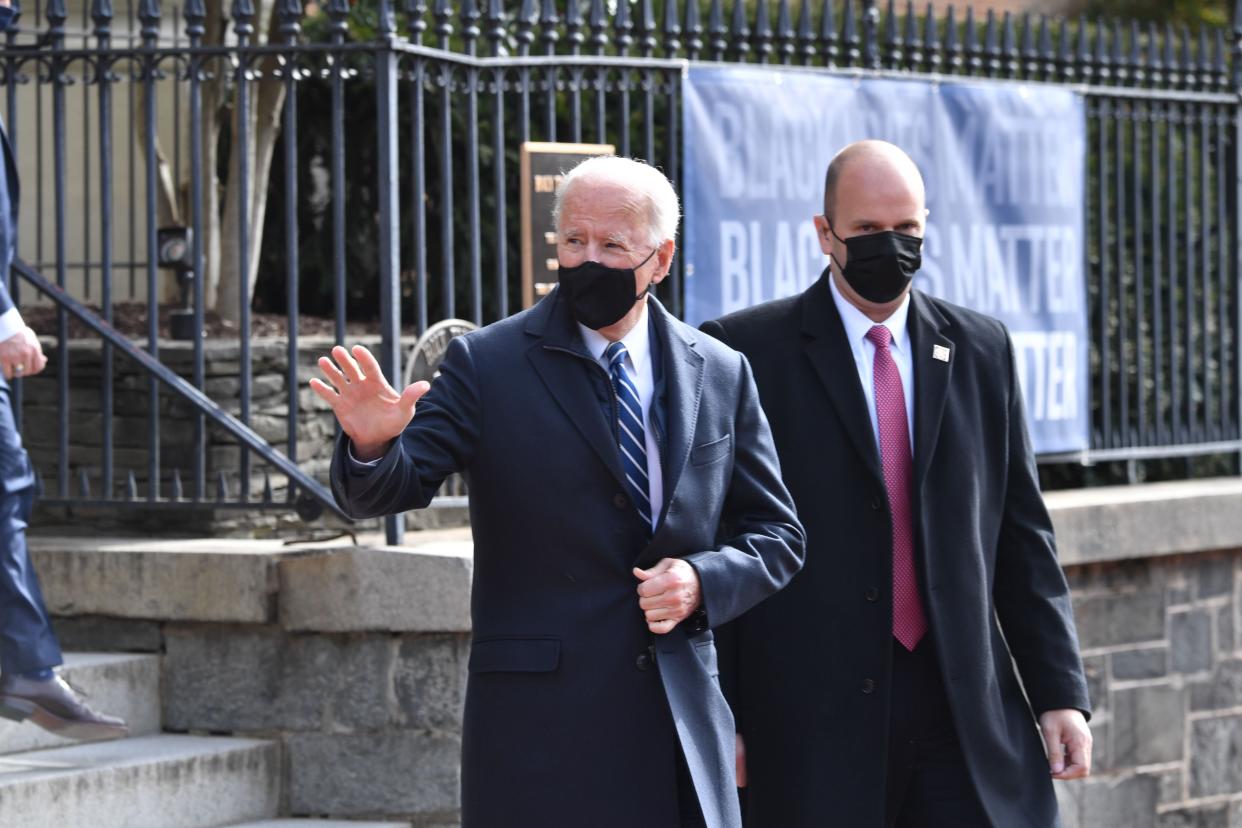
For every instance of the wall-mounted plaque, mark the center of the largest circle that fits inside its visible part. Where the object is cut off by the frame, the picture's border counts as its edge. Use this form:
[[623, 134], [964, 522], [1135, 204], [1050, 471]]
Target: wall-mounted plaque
[[543, 164]]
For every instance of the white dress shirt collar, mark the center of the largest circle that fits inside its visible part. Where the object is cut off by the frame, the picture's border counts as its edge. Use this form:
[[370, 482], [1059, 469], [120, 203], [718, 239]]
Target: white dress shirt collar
[[857, 323], [637, 342]]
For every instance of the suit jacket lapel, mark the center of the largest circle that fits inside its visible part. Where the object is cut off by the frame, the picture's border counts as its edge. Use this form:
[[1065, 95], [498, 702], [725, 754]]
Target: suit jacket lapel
[[562, 362], [931, 377], [683, 389], [829, 352]]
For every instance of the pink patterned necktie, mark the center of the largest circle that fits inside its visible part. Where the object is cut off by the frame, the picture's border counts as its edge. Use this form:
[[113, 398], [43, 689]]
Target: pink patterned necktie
[[909, 620]]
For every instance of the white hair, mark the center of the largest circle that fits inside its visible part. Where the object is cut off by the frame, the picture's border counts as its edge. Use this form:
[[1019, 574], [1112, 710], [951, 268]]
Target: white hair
[[662, 207]]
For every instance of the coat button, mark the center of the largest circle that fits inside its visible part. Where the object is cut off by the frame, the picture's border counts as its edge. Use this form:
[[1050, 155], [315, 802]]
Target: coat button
[[620, 501], [868, 685], [643, 662], [872, 594]]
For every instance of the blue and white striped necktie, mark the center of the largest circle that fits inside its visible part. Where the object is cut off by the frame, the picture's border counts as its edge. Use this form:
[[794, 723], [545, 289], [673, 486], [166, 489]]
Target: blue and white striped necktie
[[632, 438]]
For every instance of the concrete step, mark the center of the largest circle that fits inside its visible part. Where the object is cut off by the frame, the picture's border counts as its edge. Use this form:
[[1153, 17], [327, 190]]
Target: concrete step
[[118, 684], [164, 781], [320, 823]]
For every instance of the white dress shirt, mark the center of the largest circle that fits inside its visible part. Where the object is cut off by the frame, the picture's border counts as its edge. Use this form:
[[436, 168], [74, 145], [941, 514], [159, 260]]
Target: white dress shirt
[[10, 323], [641, 371], [857, 324]]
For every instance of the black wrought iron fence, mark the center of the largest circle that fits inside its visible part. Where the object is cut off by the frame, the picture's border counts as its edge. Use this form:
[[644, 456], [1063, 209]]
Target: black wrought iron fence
[[380, 184]]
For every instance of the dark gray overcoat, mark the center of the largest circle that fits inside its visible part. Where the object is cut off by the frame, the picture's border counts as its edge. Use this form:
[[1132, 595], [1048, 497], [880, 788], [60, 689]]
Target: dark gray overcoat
[[575, 713], [808, 671]]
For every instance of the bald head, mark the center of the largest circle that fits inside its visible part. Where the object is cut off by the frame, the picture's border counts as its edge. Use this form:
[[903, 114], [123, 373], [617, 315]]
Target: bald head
[[870, 164], [871, 187]]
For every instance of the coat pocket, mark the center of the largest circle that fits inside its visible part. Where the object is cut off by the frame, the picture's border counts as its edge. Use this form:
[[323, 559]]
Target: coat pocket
[[711, 452], [515, 655], [706, 651]]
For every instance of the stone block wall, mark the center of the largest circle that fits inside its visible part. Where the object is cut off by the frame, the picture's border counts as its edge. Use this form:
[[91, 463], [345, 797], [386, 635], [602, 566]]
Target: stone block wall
[[370, 722], [365, 701], [1160, 642], [355, 659]]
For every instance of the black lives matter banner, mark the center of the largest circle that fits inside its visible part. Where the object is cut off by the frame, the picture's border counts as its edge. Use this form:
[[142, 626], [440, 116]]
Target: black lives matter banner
[[1004, 167]]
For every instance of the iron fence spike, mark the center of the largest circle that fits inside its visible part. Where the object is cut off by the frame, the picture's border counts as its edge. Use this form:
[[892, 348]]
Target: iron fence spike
[[931, 39], [952, 45], [785, 33], [740, 30], [1155, 65], [101, 13], [1009, 46], [828, 32], [717, 31], [849, 36], [974, 58], [763, 30], [914, 44]]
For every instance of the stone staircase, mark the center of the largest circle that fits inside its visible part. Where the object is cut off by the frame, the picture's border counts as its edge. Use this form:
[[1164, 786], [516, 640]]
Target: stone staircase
[[150, 779]]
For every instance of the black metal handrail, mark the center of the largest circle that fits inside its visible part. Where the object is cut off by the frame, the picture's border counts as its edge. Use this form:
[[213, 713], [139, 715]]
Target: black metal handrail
[[313, 496]]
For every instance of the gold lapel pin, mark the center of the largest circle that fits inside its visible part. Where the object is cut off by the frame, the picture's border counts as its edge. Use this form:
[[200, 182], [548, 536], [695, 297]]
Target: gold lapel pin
[[940, 352]]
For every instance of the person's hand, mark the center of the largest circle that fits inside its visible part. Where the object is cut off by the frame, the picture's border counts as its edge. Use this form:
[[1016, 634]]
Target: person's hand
[[21, 355], [668, 594], [739, 753], [371, 412], [1066, 732]]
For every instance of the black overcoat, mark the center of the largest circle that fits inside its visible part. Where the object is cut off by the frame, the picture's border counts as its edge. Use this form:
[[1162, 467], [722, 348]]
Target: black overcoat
[[574, 711], [807, 672]]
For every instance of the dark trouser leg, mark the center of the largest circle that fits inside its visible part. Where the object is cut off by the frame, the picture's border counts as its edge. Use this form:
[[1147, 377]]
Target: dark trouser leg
[[929, 785], [27, 643]]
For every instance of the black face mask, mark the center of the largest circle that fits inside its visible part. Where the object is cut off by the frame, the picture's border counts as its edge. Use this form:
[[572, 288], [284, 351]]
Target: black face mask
[[600, 295], [881, 265]]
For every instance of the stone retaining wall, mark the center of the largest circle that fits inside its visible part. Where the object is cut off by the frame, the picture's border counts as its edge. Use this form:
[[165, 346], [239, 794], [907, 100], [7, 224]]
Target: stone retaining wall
[[1159, 639], [355, 659]]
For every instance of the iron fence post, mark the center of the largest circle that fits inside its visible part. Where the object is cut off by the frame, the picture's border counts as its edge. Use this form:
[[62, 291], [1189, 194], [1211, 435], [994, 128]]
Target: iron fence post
[[1236, 263], [389, 228], [56, 15]]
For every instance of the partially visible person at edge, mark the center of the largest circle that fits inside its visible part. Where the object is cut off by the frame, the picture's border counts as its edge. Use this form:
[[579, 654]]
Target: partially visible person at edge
[[30, 688], [879, 689], [624, 498]]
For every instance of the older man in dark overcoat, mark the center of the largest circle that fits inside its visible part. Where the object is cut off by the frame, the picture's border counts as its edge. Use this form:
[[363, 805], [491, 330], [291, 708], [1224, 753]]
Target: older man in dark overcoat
[[625, 497]]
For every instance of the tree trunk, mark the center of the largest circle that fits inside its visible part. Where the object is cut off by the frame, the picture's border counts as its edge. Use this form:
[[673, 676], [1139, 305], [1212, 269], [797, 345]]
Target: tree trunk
[[168, 205], [213, 95], [267, 98]]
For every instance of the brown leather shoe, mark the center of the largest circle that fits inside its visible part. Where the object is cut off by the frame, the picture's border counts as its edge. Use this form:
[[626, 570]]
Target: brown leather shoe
[[56, 707]]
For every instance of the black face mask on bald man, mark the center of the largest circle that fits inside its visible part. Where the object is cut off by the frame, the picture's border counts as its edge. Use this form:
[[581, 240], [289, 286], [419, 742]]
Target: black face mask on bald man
[[881, 265], [599, 295]]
